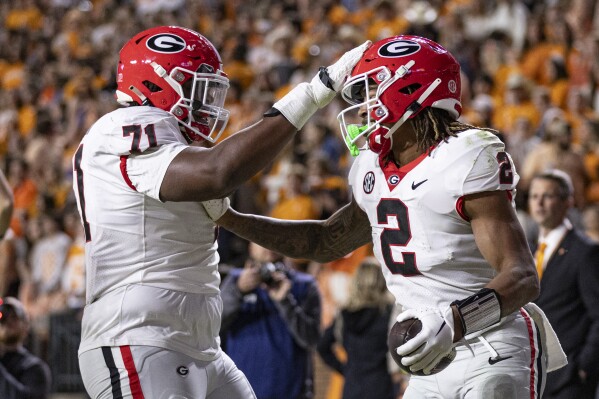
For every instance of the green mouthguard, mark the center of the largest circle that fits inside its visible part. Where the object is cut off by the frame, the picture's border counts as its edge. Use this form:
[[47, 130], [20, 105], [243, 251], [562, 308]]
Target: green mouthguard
[[353, 131]]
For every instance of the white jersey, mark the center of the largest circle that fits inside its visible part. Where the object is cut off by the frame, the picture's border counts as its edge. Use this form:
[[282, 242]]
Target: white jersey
[[420, 234], [149, 264]]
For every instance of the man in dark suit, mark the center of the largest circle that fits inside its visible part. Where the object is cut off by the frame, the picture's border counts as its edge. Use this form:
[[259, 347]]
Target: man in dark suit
[[568, 266]]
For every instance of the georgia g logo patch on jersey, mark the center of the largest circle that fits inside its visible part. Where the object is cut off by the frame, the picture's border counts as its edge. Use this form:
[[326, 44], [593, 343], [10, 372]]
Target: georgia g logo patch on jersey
[[166, 43], [368, 183], [399, 48]]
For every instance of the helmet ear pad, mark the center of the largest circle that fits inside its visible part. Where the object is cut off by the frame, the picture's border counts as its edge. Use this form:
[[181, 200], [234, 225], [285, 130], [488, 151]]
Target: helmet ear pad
[[378, 143], [157, 90]]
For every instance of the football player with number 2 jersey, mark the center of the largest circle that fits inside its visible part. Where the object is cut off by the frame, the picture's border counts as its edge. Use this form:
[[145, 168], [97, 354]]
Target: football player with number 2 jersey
[[436, 198], [152, 316]]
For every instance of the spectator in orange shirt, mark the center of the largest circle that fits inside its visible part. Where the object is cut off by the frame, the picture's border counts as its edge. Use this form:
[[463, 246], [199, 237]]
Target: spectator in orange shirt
[[557, 76], [295, 202], [238, 68], [554, 37], [24, 16], [589, 148], [25, 194], [555, 152], [517, 105]]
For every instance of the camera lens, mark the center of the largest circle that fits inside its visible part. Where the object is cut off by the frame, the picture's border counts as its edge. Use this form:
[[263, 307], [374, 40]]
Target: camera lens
[[266, 271]]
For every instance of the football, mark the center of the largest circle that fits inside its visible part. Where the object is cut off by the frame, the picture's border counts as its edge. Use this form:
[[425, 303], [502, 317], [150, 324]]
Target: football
[[401, 333]]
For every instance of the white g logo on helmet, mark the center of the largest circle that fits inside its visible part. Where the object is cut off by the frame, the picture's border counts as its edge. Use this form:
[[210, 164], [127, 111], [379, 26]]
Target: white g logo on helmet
[[166, 43], [399, 48]]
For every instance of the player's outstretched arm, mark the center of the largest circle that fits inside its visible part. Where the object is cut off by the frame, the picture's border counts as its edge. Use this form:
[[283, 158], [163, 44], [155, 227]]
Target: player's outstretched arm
[[199, 174], [501, 240], [318, 240]]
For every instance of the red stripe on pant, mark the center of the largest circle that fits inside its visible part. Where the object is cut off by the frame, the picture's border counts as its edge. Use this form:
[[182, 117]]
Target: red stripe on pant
[[134, 383], [531, 338]]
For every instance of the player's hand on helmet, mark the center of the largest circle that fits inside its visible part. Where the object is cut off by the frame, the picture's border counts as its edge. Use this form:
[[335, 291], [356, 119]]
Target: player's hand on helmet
[[216, 208], [432, 343], [340, 70], [330, 80], [306, 98]]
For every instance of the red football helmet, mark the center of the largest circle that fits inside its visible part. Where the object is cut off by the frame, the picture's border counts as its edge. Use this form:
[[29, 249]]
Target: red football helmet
[[177, 70], [394, 80]]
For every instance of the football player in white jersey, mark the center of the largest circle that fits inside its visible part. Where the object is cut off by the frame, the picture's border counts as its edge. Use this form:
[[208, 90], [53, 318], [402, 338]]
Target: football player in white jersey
[[152, 316], [435, 197]]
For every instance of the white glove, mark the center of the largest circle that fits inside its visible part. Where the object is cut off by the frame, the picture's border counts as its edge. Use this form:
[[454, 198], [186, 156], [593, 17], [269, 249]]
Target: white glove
[[340, 70], [216, 208], [432, 343], [304, 99]]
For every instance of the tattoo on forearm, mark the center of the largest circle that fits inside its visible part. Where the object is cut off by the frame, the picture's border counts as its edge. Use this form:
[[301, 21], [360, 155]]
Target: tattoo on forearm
[[346, 232], [322, 241]]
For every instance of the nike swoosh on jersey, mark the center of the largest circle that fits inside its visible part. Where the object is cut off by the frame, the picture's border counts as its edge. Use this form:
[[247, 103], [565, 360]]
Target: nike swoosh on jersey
[[493, 360], [415, 186]]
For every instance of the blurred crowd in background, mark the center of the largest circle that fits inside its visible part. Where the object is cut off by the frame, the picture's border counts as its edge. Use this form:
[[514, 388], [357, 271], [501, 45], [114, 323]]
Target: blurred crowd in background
[[530, 70]]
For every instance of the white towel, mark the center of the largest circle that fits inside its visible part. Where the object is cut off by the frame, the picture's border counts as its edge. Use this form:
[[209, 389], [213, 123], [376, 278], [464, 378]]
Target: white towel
[[556, 358]]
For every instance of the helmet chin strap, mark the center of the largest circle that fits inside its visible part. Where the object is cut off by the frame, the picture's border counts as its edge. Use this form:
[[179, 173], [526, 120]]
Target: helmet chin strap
[[413, 107]]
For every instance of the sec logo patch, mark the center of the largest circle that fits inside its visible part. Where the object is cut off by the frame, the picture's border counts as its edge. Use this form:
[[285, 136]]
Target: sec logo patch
[[368, 183]]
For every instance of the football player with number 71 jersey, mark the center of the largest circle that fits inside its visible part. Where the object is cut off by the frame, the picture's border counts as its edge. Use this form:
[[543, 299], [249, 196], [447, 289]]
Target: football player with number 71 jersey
[[436, 198], [151, 322]]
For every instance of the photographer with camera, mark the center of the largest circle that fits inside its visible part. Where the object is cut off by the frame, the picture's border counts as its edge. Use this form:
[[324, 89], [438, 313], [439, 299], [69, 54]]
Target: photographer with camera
[[22, 374], [271, 324]]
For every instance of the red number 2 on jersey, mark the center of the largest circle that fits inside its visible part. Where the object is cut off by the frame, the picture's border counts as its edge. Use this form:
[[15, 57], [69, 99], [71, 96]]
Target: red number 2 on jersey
[[506, 174], [399, 236]]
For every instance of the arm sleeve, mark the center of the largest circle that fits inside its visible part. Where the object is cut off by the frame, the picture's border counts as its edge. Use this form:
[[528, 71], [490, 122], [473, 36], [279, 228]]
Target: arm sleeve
[[303, 319], [325, 349], [34, 383]]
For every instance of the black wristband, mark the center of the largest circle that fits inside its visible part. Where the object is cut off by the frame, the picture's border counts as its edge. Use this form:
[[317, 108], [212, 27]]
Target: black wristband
[[271, 112], [323, 74], [479, 311]]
